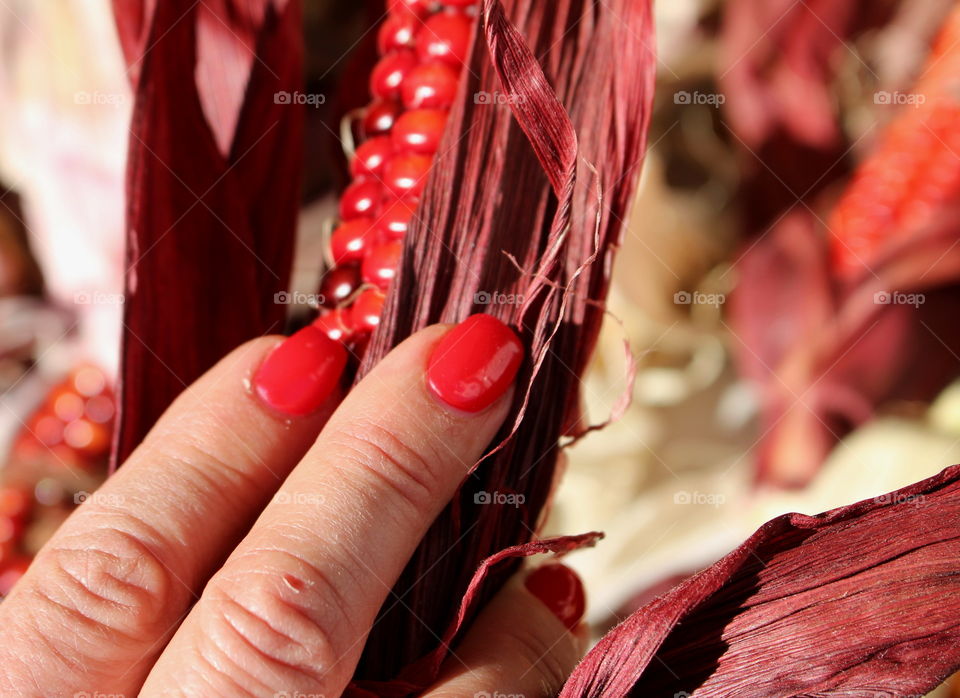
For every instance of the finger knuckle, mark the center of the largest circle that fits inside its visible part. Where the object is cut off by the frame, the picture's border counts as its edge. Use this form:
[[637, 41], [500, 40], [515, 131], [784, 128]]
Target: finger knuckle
[[409, 472], [218, 474], [110, 578], [276, 626]]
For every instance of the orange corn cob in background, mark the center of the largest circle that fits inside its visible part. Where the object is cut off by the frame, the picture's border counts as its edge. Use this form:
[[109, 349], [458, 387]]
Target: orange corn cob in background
[[915, 169], [58, 457]]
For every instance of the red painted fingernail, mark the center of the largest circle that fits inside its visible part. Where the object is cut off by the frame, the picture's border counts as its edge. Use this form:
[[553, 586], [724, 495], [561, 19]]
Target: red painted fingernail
[[474, 363], [561, 590], [300, 373]]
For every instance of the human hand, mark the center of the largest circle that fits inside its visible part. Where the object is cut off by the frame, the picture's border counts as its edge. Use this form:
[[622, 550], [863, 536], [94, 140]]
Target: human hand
[[239, 553]]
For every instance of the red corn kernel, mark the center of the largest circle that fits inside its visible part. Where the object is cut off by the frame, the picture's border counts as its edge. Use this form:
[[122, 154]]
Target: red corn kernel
[[67, 404], [380, 116], [360, 199], [419, 130], [89, 381], [350, 241], [381, 263], [370, 156], [407, 174], [430, 85], [14, 503], [418, 8], [100, 409], [366, 310], [10, 530], [333, 323], [445, 37], [86, 437], [397, 32], [11, 574], [339, 283], [395, 219], [49, 429], [390, 72]]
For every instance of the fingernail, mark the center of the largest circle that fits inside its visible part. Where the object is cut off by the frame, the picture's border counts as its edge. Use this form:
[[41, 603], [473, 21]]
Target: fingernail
[[475, 363], [561, 590], [299, 375]]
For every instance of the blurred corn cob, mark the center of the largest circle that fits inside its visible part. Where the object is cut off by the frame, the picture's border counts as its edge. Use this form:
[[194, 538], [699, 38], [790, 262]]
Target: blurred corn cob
[[915, 170]]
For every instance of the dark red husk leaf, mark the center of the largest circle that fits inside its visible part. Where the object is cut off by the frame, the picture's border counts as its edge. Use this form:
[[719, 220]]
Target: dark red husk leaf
[[833, 354], [213, 189], [525, 200], [812, 336], [777, 67], [779, 73], [777, 58], [863, 600]]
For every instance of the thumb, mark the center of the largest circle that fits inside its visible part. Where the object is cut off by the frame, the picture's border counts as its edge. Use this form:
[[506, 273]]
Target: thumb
[[525, 642]]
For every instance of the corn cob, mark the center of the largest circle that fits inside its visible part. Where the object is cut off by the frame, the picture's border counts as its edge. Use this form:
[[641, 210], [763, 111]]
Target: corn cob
[[422, 46], [915, 170], [66, 438]]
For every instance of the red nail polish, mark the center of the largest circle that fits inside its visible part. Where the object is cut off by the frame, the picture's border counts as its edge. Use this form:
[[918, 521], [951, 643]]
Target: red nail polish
[[474, 363], [561, 590], [300, 374]]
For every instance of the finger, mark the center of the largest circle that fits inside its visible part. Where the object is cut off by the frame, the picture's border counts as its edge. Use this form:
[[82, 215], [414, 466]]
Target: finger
[[524, 643], [95, 608], [291, 608]]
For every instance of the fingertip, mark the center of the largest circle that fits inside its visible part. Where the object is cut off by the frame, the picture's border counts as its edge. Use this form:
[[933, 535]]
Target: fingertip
[[560, 589], [298, 375], [474, 364]]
